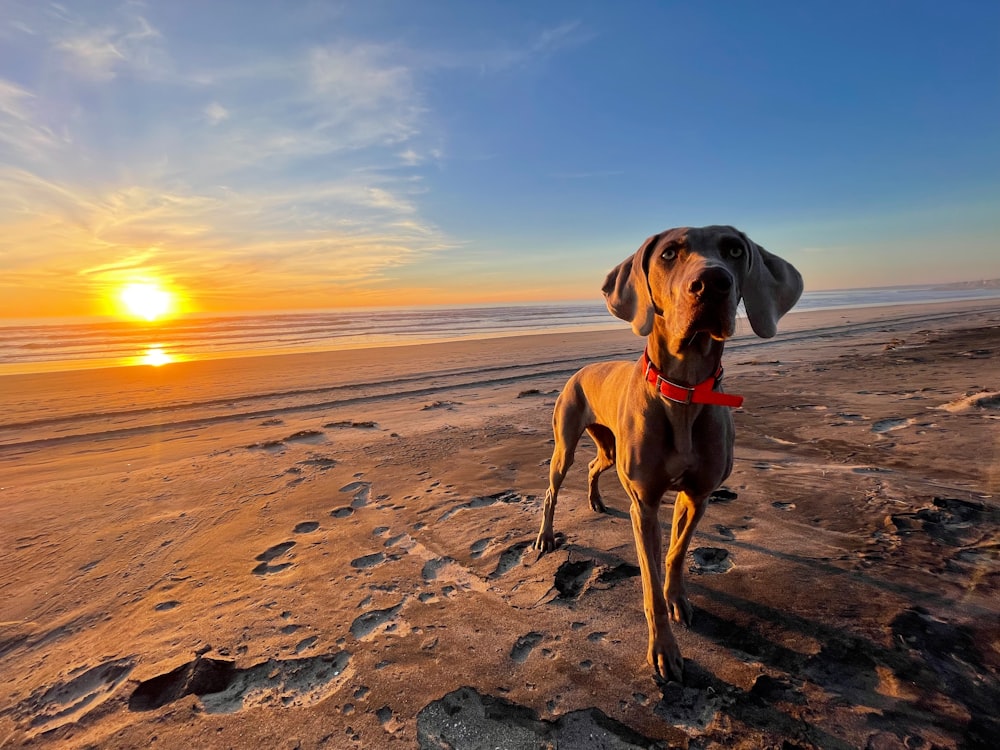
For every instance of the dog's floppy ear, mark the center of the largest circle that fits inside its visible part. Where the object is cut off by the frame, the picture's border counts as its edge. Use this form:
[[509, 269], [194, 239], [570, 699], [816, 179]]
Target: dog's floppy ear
[[772, 287], [626, 290]]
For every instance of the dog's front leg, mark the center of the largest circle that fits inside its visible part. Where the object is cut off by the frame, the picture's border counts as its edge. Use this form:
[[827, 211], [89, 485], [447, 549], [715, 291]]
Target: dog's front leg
[[687, 512], [663, 653]]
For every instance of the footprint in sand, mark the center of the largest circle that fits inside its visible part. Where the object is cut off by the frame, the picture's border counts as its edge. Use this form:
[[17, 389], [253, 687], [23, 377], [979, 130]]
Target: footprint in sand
[[722, 495], [572, 576], [507, 496], [268, 446], [362, 493], [783, 506], [612, 575], [367, 561], [350, 424], [953, 522], [497, 722], [524, 645], [224, 689], [690, 707], [342, 512], [510, 558], [307, 436], [888, 425], [367, 623], [306, 527], [448, 405], [397, 539], [265, 557], [67, 702], [165, 606], [477, 548], [433, 567], [319, 462], [306, 643], [711, 560]]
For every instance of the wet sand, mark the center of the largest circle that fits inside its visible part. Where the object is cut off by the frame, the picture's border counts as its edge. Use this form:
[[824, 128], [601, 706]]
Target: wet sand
[[332, 550]]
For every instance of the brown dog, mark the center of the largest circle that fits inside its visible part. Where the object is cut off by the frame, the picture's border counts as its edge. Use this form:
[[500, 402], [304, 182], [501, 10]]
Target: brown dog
[[664, 422]]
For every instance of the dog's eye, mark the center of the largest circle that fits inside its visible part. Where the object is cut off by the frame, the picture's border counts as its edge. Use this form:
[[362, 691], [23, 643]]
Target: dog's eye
[[669, 254], [734, 251]]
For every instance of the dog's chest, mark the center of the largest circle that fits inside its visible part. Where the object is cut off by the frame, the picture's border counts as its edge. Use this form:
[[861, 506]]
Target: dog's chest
[[677, 468], [695, 451]]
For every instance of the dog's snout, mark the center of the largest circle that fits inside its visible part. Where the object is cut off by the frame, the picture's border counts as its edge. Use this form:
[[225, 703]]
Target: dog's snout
[[714, 282]]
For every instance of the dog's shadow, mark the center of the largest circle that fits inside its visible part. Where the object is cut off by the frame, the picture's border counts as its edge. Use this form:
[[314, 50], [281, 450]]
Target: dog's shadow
[[847, 664]]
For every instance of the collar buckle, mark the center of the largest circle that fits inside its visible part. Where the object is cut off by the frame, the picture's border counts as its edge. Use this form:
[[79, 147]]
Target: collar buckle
[[665, 387]]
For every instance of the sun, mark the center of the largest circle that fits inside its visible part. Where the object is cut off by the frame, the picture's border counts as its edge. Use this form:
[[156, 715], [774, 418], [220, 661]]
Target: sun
[[148, 301]]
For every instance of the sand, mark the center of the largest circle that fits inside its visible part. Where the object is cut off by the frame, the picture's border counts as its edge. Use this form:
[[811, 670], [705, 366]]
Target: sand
[[331, 550]]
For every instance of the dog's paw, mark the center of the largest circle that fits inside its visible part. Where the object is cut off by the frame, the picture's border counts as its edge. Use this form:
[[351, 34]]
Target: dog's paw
[[665, 658], [545, 542], [597, 505], [678, 606]]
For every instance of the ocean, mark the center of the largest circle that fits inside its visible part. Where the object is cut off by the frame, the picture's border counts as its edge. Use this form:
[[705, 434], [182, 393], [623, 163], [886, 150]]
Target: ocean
[[45, 345]]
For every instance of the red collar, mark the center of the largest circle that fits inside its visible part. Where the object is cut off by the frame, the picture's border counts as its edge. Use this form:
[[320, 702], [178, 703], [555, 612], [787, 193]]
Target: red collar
[[703, 393]]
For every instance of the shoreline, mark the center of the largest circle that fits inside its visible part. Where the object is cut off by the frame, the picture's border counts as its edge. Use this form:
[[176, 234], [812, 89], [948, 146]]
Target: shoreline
[[794, 319], [31, 400]]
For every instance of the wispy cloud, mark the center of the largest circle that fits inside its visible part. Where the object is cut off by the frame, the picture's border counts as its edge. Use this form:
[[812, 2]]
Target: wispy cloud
[[21, 131], [99, 53], [544, 44]]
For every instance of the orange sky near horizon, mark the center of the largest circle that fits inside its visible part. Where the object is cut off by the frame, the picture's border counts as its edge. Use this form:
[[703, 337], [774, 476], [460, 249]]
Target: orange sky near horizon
[[102, 297]]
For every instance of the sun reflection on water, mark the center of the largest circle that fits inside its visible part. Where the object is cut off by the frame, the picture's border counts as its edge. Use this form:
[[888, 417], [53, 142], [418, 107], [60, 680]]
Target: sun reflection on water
[[156, 356]]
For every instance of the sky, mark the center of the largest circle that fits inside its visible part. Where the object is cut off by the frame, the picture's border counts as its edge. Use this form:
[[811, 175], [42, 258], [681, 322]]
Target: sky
[[291, 155]]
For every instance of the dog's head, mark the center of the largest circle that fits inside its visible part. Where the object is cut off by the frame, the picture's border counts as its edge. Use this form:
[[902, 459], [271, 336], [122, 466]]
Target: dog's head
[[695, 277]]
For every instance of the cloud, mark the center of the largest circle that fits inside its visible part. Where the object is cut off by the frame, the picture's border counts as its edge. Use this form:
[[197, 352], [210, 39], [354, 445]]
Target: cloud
[[21, 133], [309, 245], [216, 113], [351, 83], [410, 158], [16, 27], [564, 36], [99, 53]]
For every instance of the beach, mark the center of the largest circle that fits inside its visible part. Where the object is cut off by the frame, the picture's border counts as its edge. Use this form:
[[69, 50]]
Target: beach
[[332, 550]]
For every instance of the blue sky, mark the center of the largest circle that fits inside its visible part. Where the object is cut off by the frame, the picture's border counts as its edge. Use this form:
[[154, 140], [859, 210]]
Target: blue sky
[[281, 155]]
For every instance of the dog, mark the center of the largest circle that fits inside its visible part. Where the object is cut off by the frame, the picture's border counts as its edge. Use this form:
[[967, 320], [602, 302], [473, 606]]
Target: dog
[[664, 422]]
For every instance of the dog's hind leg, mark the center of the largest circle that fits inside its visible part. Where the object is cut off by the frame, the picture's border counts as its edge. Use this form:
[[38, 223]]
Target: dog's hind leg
[[604, 439], [567, 427]]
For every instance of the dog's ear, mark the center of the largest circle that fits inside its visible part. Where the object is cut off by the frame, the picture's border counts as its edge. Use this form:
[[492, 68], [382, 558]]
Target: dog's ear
[[626, 290], [772, 287]]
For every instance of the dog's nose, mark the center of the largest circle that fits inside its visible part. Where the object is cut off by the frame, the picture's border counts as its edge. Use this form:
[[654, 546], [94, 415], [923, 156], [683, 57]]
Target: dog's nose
[[716, 282]]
